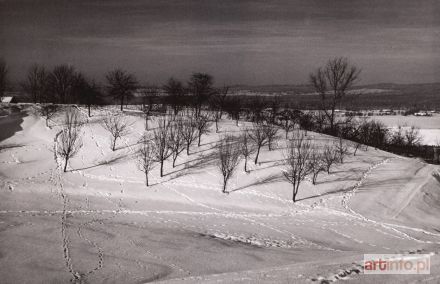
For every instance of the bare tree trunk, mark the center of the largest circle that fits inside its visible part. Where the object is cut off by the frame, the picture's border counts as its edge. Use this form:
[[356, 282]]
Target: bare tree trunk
[[65, 164], [89, 110], [200, 136], [122, 103], [225, 181], [356, 148], [216, 125], [332, 120], [161, 168], [245, 164], [146, 179], [258, 153], [294, 193], [114, 144]]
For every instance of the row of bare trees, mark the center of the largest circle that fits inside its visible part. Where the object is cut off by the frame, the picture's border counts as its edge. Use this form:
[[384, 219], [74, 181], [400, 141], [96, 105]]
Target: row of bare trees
[[65, 84], [172, 136], [62, 84], [304, 158], [169, 139]]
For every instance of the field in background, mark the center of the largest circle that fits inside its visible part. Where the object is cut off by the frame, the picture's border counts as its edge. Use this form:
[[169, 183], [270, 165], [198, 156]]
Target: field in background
[[377, 96], [429, 126]]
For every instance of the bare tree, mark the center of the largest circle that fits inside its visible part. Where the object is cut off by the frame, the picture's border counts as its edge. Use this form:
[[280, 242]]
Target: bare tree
[[121, 85], [257, 105], [177, 141], [228, 154], [356, 145], [62, 81], [161, 138], [306, 122], [89, 93], [48, 111], [148, 96], [297, 157], [217, 104], [246, 148], [271, 131], [117, 126], [341, 149], [316, 164], [202, 124], [36, 83], [356, 135], [146, 155], [233, 108], [329, 157], [176, 91], [69, 141], [397, 137], [332, 82], [274, 108], [316, 120], [258, 135], [287, 121], [222, 95], [189, 133], [412, 136], [3, 77], [201, 86], [216, 117]]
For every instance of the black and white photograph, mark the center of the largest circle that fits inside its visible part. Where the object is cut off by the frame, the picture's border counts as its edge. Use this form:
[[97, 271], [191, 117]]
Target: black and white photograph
[[219, 141]]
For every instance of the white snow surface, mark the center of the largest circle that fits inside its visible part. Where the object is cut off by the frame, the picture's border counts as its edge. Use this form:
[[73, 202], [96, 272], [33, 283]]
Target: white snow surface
[[99, 223]]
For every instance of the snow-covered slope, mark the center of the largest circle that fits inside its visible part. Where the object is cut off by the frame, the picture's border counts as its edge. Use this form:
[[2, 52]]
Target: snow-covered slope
[[99, 223]]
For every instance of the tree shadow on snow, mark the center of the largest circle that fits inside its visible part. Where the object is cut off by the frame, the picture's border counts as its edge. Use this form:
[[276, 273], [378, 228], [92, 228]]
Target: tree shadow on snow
[[128, 146], [337, 191], [10, 146], [210, 143], [270, 179], [200, 162], [111, 161], [205, 150]]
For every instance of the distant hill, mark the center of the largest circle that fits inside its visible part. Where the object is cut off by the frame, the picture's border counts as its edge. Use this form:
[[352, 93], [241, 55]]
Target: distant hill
[[384, 95]]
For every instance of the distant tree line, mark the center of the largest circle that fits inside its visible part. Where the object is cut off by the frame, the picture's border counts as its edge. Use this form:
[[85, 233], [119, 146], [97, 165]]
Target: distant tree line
[[63, 84]]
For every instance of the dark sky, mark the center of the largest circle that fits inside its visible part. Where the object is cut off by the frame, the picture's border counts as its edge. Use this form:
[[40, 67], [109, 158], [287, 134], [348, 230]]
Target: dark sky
[[249, 42]]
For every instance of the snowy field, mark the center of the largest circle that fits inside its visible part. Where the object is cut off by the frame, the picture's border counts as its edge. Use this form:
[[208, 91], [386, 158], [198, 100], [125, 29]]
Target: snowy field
[[429, 125], [99, 223]]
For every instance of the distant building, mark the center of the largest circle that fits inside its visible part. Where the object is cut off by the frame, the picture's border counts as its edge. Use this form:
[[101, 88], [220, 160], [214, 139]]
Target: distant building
[[422, 113]]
